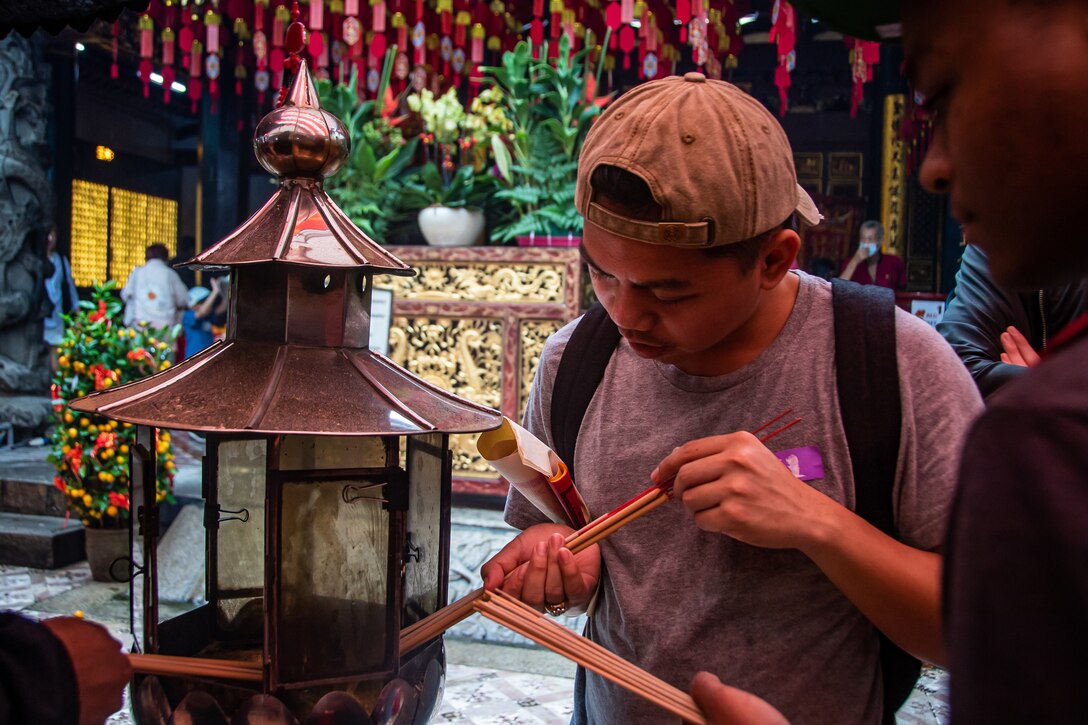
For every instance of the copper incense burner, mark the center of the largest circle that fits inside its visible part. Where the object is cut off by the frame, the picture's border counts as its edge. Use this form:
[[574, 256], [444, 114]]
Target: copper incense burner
[[326, 478]]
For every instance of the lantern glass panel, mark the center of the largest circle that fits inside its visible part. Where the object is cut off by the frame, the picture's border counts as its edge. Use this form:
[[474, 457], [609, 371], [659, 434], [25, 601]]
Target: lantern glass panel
[[334, 573], [331, 452], [240, 547], [428, 510]]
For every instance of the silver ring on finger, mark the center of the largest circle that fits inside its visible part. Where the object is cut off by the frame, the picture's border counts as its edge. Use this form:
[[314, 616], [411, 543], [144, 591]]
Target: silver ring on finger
[[556, 609]]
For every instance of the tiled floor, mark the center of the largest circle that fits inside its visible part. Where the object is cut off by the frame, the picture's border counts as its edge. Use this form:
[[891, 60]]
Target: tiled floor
[[474, 695]]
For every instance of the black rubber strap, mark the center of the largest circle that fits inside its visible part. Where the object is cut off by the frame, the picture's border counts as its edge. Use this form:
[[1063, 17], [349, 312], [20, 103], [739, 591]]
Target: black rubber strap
[[581, 369]]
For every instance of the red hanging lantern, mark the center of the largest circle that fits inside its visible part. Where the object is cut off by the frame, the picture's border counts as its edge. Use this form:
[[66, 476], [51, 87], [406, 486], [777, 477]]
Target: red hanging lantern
[[113, 67], [460, 28], [317, 16], [400, 24], [683, 15], [627, 44], [377, 15], [259, 7], [147, 49], [280, 18], [478, 34], [445, 16], [783, 32], [612, 15], [864, 55], [212, 21]]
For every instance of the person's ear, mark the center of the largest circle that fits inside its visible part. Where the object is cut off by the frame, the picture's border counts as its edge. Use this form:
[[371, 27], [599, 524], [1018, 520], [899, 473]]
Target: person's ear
[[777, 257]]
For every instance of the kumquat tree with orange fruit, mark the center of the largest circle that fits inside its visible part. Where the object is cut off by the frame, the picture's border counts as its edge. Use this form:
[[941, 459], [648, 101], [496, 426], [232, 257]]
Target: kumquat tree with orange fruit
[[91, 453]]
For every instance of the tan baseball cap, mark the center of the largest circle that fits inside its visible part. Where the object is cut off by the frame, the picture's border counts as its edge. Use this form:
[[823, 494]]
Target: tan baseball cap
[[716, 160]]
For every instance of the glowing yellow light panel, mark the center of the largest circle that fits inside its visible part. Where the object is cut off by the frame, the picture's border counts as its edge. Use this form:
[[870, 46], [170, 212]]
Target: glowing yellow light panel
[[90, 232], [136, 221], [112, 228]]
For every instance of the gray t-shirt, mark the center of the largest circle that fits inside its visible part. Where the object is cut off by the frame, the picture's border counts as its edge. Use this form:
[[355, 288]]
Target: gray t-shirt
[[675, 599]]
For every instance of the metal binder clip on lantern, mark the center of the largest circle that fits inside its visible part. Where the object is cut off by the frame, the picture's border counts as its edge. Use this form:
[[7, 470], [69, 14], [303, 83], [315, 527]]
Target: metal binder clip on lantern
[[535, 471]]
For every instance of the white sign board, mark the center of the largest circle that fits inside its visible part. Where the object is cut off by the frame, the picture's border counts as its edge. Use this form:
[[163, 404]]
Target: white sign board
[[381, 318], [932, 311]]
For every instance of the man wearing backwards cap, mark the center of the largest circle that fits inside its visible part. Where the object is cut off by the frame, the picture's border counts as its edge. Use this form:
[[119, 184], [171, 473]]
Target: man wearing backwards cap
[[687, 186], [1008, 83]]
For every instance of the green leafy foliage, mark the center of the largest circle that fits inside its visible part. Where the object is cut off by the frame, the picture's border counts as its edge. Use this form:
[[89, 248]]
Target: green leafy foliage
[[91, 453], [368, 187], [551, 105]]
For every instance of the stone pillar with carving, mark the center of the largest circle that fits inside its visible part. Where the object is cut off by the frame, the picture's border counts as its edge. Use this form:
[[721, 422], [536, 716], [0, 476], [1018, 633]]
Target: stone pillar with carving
[[26, 205]]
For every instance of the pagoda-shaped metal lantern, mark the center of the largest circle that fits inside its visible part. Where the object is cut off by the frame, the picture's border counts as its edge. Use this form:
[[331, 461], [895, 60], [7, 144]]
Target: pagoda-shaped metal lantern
[[327, 472]]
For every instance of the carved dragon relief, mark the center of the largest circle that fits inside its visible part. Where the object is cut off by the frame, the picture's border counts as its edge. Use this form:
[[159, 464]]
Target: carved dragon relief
[[26, 208]]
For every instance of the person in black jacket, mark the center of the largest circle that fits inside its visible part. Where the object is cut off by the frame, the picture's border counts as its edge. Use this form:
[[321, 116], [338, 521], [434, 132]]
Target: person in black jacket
[[998, 332], [59, 671]]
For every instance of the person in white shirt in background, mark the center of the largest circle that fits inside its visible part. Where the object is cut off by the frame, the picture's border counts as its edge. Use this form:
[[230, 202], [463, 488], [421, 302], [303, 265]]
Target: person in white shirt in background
[[154, 293]]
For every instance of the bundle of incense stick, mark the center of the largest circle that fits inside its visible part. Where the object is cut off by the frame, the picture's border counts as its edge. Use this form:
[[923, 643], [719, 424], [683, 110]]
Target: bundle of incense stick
[[195, 667], [642, 504], [526, 621]]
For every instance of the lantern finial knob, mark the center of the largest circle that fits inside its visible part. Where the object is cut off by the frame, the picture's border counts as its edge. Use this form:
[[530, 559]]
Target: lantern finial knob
[[299, 139]]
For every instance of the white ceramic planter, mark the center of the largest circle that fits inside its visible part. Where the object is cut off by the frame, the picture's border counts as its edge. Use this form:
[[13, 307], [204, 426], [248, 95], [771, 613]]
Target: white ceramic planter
[[446, 227]]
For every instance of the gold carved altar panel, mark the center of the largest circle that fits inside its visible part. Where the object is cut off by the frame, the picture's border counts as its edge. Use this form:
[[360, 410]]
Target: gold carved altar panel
[[474, 321]]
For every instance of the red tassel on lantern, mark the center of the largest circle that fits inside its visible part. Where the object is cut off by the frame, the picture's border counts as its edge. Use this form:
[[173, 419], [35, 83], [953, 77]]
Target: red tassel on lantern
[[460, 29], [556, 9], [259, 7], [167, 82], [211, 25], [446, 22], [401, 24], [477, 54], [113, 67], [196, 91], [783, 32], [279, 24], [196, 59], [627, 44], [683, 14], [319, 50], [147, 42], [147, 49], [612, 20], [239, 71], [377, 16]]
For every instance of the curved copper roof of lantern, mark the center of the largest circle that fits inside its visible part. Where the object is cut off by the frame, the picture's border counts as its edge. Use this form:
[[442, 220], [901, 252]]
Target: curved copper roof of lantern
[[301, 225], [301, 144], [290, 386], [257, 387]]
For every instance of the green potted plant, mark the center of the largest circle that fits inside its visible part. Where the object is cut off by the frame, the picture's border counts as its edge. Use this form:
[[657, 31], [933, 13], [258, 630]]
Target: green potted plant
[[454, 191], [368, 187], [91, 453], [551, 106]]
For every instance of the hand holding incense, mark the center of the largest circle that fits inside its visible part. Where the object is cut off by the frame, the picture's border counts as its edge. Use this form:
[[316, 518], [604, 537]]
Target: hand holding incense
[[635, 508]]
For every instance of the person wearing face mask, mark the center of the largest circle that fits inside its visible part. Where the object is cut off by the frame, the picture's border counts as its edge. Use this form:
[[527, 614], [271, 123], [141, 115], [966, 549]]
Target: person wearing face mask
[[869, 265]]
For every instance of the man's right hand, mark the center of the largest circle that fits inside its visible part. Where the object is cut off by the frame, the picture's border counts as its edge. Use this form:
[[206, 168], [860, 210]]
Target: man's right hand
[[551, 575]]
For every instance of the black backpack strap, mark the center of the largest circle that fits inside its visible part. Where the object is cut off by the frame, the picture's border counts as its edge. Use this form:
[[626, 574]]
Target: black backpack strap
[[868, 384], [581, 369]]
